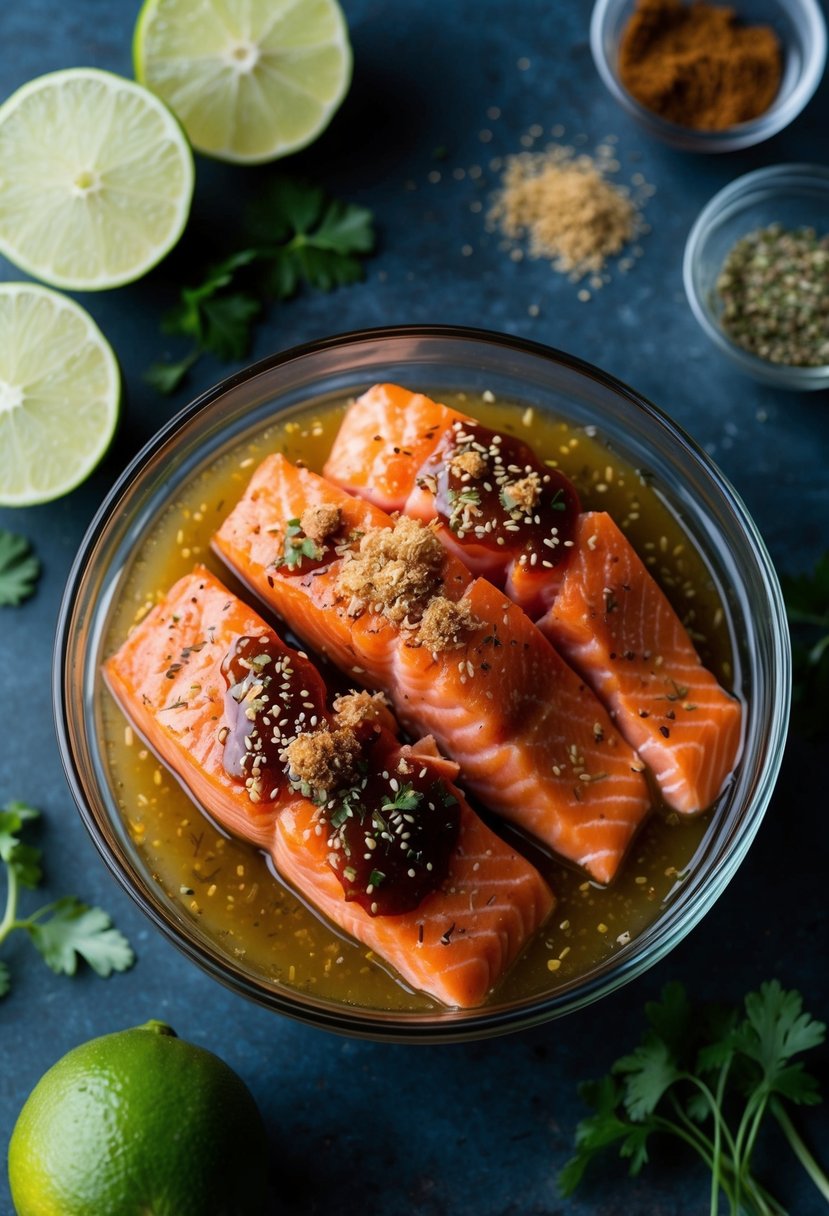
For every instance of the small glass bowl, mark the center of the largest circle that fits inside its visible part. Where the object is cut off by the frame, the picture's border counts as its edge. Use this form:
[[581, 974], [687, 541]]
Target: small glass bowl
[[793, 195], [801, 29], [435, 359]]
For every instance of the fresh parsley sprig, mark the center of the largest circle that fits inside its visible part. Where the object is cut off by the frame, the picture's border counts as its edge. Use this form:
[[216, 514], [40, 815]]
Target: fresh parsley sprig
[[62, 932], [19, 569], [298, 545], [807, 607], [295, 236], [708, 1078]]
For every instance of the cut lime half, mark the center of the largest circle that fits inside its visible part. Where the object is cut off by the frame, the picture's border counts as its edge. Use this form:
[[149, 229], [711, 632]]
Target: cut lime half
[[251, 80], [59, 394], [96, 179]]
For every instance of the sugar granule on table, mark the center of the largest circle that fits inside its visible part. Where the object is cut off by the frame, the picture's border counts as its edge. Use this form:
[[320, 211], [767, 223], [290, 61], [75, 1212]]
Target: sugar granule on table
[[563, 205]]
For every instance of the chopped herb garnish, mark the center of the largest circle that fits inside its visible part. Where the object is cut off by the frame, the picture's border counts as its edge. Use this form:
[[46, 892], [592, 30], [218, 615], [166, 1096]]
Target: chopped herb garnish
[[406, 799], [557, 502], [462, 502], [375, 878], [297, 546]]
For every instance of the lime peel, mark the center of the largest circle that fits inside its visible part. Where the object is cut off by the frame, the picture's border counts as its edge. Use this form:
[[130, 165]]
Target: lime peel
[[60, 392], [249, 85], [102, 184]]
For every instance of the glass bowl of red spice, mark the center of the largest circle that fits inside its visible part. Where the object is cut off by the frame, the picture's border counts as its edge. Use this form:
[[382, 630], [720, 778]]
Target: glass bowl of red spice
[[756, 272], [709, 77]]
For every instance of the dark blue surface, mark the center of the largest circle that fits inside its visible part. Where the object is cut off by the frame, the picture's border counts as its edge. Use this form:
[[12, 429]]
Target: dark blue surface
[[476, 1130]]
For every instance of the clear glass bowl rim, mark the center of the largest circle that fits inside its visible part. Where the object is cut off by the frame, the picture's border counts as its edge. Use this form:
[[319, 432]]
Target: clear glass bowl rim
[[743, 135], [451, 1025], [724, 204]]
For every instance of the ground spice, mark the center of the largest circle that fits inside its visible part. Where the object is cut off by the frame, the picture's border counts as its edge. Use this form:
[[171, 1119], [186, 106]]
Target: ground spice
[[774, 287], [697, 65], [567, 209]]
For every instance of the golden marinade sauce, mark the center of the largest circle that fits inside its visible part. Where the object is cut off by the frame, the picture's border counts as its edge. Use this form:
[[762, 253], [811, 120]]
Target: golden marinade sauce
[[229, 889]]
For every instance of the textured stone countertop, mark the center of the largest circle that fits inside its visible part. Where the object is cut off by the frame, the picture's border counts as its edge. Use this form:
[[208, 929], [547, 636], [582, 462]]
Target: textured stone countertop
[[477, 1129]]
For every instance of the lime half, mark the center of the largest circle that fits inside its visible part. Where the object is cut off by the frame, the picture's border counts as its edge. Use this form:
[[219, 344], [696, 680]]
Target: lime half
[[96, 178], [250, 81], [59, 394]]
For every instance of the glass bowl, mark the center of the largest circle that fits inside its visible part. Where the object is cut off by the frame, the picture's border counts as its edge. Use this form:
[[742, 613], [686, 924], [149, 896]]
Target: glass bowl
[[801, 29], [792, 195], [438, 359]]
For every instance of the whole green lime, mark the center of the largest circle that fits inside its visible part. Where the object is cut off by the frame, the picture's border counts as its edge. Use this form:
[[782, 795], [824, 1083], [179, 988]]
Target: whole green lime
[[139, 1123]]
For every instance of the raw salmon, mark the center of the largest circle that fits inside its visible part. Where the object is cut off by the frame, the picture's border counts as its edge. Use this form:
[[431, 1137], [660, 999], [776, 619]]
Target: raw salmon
[[561, 584], [532, 741], [616, 628], [170, 677], [507, 516]]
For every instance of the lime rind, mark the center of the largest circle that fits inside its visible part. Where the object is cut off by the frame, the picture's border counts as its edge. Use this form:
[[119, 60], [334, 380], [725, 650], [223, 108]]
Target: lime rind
[[102, 179], [249, 86], [60, 393]]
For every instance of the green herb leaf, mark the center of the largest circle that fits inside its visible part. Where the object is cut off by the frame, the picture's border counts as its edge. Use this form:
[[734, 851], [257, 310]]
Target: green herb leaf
[[165, 378], [406, 799], [648, 1073], [22, 858], [775, 1030], [298, 546], [375, 878], [63, 931], [600, 1130], [19, 569], [226, 324], [75, 931], [743, 1067], [294, 235]]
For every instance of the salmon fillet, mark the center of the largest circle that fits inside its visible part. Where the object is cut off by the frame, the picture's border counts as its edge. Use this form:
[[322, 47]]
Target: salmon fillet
[[169, 680], [405, 452], [614, 625], [462, 939], [530, 737], [694, 759]]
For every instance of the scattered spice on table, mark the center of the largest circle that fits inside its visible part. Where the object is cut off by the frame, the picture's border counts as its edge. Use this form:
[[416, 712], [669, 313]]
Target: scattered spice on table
[[698, 65], [774, 288], [566, 208]]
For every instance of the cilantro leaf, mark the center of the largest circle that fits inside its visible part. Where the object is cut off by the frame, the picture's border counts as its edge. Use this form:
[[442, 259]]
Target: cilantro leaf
[[294, 235], [165, 378], [75, 931], [649, 1072], [227, 323], [695, 1068], [807, 607], [775, 1030], [64, 931], [406, 799], [297, 546], [19, 569], [22, 858], [599, 1131]]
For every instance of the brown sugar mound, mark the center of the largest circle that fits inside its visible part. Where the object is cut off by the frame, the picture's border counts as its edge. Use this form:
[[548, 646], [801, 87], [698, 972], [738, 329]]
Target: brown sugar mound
[[697, 65], [323, 760], [523, 494], [353, 709], [470, 462], [444, 622], [395, 571], [566, 208], [320, 521]]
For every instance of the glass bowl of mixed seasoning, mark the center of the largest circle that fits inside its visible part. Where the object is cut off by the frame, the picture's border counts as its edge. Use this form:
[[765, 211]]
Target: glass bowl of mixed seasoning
[[756, 271], [216, 897], [708, 76]]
